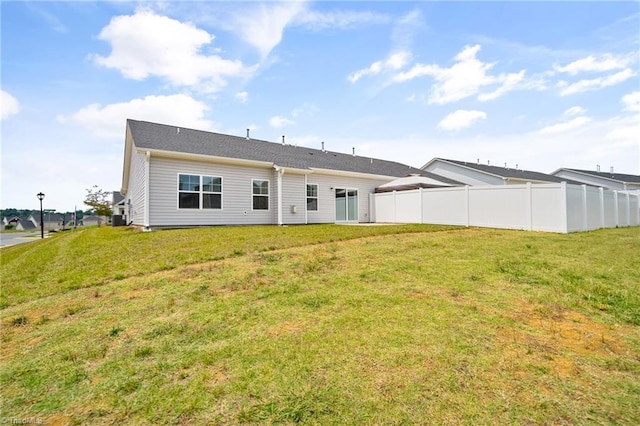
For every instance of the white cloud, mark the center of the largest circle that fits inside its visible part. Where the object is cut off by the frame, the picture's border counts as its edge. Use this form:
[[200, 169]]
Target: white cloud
[[394, 61], [509, 82], [566, 126], [607, 62], [341, 19], [405, 29], [242, 97], [262, 26], [463, 79], [575, 110], [278, 121], [461, 119], [597, 83], [631, 101], [146, 44], [306, 109], [9, 105], [109, 121]]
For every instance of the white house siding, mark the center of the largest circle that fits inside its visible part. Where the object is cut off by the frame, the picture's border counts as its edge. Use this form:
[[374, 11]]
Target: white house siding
[[237, 194], [136, 192], [462, 174], [326, 195], [237, 197], [294, 193]]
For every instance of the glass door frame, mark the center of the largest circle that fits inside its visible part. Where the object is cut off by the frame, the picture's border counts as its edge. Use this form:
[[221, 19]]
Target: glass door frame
[[347, 212]]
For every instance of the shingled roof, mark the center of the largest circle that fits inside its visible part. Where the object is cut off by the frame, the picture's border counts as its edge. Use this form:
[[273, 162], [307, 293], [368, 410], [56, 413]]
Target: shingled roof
[[164, 137], [511, 173], [620, 177]]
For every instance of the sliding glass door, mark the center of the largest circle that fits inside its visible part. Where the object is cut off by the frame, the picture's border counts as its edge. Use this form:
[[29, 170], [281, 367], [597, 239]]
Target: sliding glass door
[[346, 205]]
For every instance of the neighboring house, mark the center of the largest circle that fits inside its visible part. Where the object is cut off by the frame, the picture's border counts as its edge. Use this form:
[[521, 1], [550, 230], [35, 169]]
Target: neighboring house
[[609, 180], [25, 225], [51, 220], [20, 223], [118, 203], [473, 174], [11, 220], [174, 176]]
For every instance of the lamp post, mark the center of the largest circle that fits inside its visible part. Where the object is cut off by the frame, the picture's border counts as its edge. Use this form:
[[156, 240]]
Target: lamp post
[[40, 197]]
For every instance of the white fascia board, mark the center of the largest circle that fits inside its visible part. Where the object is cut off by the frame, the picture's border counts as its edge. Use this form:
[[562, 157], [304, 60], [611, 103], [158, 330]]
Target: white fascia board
[[351, 174], [293, 170], [128, 145], [433, 160], [207, 158]]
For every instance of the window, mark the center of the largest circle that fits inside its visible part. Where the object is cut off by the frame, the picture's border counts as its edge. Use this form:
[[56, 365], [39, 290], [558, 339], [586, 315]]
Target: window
[[211, 192], [195, 192], [312, 197], [188, 192], [260, 194]]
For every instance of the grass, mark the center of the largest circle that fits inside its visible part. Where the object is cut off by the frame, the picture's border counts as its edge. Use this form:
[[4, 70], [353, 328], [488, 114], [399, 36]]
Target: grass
[[95, 256], [338, 326]]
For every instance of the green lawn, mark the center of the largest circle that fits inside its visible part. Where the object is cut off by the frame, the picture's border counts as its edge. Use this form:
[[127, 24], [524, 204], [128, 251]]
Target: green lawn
[[323, 325]]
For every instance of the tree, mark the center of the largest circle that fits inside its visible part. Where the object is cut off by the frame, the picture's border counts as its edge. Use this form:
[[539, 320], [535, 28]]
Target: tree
[[99, 202]]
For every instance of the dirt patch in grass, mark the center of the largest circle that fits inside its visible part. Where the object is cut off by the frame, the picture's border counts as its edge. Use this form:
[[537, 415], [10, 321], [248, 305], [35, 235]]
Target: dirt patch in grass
[[563, 330], [285, 328], [559, 342]]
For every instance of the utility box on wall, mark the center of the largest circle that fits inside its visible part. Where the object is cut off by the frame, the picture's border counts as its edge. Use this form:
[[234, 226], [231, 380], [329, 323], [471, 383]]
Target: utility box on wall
[[294, 209]]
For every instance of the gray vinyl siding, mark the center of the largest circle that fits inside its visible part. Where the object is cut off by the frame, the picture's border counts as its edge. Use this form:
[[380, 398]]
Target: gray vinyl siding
[[465, 175], [236, 194], [591, 180], [136, 191], [294, 193], [326, 196]]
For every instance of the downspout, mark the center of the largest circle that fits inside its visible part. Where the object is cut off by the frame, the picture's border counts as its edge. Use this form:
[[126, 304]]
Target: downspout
[[306, 213], [146, 190], [280, 172]]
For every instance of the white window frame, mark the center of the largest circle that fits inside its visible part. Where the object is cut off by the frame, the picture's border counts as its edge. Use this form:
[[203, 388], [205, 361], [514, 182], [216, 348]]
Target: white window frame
[[200, 192], [317, 197], [268, 195]]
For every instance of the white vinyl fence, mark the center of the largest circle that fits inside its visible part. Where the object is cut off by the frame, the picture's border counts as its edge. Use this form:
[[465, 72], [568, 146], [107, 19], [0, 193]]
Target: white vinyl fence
[[536, 207]]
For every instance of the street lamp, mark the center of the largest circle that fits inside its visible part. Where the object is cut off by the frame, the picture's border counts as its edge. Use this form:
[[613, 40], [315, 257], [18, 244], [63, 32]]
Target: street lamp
[[40, 197]]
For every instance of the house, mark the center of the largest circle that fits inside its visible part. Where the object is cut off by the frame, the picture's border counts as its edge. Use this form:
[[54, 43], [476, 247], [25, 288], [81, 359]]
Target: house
[[11, 220], [470, 173], [25, 225], [173, 176], [609, 180], [117, 203], [20, 223], [51, 220]]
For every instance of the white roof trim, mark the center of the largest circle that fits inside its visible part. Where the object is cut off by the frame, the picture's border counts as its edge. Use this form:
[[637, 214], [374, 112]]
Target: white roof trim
[[351, 174]]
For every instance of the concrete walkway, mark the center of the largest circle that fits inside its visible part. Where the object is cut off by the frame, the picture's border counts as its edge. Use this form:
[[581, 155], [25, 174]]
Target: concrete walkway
[[12, 238]]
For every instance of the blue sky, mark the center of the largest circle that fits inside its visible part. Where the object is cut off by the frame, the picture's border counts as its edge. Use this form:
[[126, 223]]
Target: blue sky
[[541, 85]]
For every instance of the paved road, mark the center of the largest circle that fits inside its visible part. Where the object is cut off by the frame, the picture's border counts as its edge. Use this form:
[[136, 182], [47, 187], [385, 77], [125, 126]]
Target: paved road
[[13, 238]]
